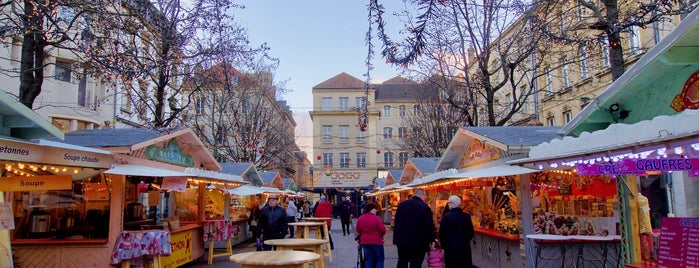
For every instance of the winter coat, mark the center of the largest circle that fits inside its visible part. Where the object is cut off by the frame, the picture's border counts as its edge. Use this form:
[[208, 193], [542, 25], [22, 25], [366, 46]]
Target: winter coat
[[413, 225], [324, 210], [273, 222], [371, 229], [456, 232], [346, 209]]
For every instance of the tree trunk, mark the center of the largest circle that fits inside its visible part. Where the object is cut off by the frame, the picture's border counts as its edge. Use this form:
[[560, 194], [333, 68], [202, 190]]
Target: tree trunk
[[616, 50], [31, 68]]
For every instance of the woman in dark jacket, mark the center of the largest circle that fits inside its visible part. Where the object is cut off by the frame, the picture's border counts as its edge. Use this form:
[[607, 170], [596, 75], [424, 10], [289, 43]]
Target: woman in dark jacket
[[455, 234], [253, 221]]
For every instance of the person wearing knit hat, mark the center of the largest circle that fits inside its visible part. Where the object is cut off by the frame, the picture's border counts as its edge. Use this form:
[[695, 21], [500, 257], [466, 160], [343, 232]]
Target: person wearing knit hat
[[371, 230], [455, 234]]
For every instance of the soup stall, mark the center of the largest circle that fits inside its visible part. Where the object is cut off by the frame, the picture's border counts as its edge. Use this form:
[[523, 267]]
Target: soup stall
[[160, 191]]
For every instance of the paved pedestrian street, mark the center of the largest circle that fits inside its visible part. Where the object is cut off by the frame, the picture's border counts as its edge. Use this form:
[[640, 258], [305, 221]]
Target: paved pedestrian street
[[344, 254]]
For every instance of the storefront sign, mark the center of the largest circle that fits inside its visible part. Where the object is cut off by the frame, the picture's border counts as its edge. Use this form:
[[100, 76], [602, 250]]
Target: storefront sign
[[34, 153], [7, 220], [170, 154], [181, 244], [479, 152], [177, 184], [640, 166], [36, 183], [679, 242]]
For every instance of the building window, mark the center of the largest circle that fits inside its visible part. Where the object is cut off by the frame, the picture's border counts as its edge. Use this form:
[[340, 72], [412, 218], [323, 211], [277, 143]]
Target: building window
[[584, 72], [245, 103], [388, 160], [199, 105], [402, 159], [327, 159], [344, 160], [549, 82], [634, 40], [401, 110], [344, 133], [550, 121], [327, 133], [567, 116], [62, 70], [359, 103], [416, 110], [605, 53], [326, 103], [564, 72], [387, 133], [361, 159], [387, 111], [360, 135], [402, 132], [344, 103]]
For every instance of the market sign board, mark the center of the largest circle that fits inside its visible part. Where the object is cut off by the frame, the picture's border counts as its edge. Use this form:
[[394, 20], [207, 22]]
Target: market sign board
[[34, 153], [641, 166], [36, 183], [181, 243]]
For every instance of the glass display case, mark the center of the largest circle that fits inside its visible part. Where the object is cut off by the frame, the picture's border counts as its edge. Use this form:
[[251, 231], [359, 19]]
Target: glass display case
[[240, 206]]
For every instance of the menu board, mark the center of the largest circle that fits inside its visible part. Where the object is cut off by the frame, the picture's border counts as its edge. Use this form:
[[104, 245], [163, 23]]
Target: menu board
[[679, 242]]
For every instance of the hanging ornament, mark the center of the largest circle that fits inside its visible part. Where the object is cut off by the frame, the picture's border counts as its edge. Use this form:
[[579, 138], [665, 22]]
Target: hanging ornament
[[378, 151], [318, 157]]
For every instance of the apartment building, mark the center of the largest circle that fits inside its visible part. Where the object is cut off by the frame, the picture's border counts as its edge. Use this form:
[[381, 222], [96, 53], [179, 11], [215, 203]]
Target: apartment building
[[345, 156]]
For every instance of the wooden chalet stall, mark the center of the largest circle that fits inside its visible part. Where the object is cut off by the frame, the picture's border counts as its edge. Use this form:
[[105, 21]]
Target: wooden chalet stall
[[642, 133], [53, 195], [474, 168], [163, 193]]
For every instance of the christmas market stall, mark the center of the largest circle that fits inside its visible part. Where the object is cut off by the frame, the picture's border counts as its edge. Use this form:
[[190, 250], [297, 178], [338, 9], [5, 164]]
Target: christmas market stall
[[641, 133], [52, 194], [163, 190], [490, 189]]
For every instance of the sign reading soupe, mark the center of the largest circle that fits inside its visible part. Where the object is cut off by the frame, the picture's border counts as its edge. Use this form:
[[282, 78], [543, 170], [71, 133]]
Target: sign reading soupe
[[36, 183], [640, 166]]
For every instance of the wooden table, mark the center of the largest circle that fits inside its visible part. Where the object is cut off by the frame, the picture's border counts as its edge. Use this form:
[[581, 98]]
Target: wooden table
[[295, 244], [278, 259], [304, 228], [324, 220]]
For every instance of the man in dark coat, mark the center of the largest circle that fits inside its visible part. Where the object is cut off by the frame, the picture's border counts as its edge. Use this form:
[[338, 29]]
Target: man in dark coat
[[413, 230], [455, 234], [346, 211], [273, 221]]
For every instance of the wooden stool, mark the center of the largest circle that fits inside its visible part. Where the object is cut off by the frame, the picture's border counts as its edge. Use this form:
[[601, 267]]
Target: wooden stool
[[228, 252]]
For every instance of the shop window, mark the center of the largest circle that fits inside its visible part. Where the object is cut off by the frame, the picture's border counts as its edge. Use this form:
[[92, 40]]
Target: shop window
[[81, 212]]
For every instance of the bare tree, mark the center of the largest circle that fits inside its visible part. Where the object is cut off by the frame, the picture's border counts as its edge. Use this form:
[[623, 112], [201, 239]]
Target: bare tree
[[238, 118], [429, 128], [160, 44], [42, 26], [487, 46], [591, 24]]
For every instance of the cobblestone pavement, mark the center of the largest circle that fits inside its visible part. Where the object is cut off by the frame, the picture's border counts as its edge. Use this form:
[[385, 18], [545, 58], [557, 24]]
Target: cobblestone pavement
[[344, 254]]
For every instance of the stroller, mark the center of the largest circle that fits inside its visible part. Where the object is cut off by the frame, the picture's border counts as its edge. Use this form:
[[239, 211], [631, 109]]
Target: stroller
[[360, 253]]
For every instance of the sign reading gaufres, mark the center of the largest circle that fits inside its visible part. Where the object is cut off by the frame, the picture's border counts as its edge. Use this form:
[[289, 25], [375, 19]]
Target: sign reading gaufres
[[641, 166], [40, 154]]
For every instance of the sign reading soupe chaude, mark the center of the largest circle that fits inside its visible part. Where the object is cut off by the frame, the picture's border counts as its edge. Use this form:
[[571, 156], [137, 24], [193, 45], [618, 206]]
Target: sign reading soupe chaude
[[34, 153], [641, 166]]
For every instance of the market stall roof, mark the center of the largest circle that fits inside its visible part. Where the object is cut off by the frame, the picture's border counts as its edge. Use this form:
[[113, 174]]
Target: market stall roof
[[433, 177], [195, 172], [246, 190], [18, 121], [245, 170], [136, 142], [495, 171], [139, 170], [649, 87], [511, 140], [663, 131]]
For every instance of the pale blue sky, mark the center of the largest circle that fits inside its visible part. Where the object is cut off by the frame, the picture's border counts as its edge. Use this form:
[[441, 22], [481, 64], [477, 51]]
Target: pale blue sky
[[314, 40]]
